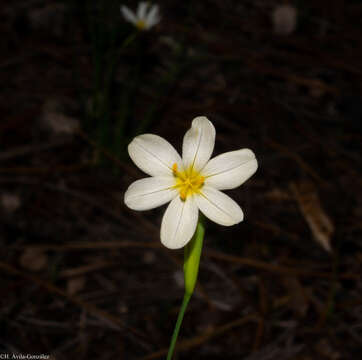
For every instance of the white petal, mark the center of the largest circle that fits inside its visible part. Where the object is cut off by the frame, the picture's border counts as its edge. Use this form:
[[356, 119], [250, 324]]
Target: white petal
[[230, 170], [219, 207], [198, 143], [128, 14], [149, 193], [153, 16], [142, 10], [154, 155], [179, 223]]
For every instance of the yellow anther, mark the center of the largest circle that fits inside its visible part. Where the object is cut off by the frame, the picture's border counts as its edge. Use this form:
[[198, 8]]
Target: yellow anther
[[200, 181], [140, 24], [183, 194], [188, 181]]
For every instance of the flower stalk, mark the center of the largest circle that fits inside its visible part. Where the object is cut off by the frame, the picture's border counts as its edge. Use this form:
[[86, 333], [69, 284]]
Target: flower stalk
[[193, 185], [192, 256], [180, 317]]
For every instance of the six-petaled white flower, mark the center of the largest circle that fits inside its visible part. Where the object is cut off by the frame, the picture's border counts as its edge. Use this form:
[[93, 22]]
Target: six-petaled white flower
[[192, 183], [147, 15]]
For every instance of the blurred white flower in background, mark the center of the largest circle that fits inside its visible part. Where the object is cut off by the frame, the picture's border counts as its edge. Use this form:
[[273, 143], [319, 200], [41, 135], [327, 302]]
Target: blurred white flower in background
[[190, 183], [147, 15], [284, 19]]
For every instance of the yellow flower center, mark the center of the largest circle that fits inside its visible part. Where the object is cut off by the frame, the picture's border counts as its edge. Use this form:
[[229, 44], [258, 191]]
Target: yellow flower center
[[188, 182], [141, 24]]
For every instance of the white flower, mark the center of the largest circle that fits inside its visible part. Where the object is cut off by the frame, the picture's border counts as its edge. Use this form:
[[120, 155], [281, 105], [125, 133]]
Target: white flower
[[147, 15], [192, 183]]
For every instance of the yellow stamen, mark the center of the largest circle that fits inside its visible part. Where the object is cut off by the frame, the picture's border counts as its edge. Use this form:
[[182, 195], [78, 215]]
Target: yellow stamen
[[188, 182], [140, 24], [183, 194]]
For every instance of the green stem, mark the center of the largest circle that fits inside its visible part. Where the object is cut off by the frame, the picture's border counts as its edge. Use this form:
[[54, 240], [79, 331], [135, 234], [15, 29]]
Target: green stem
[[191, 269], [180, 317], [192, 257]]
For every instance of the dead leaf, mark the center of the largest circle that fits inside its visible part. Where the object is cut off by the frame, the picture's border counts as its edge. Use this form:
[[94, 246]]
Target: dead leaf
[[326, 349], [33, 259], [309, 204], [298, 299], [10, 202], [284, 19], [277, 194], [149, 257], [50, 18], [75, 285], [56, 121]]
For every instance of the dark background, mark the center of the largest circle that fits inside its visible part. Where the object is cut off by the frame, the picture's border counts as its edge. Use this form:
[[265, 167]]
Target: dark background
[[84, 277]]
